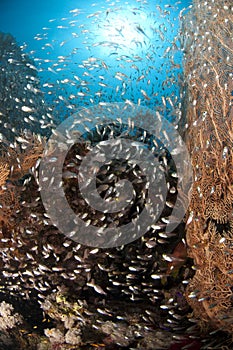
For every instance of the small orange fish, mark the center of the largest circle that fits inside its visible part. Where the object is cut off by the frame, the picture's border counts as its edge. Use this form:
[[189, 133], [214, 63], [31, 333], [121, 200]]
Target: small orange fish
[[98, 345]]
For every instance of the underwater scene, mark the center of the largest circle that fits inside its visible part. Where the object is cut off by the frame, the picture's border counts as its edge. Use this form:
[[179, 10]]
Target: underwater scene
[[116, 175]]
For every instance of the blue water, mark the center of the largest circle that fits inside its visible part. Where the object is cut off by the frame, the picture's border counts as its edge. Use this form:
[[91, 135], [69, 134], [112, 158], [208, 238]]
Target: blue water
[[89, 52]]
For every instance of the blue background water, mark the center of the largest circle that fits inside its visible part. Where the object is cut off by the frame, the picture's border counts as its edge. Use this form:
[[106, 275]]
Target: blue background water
[[106, 51]]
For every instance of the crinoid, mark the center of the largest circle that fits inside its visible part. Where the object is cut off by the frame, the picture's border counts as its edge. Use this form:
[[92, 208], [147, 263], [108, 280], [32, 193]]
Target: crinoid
[[208, 70]]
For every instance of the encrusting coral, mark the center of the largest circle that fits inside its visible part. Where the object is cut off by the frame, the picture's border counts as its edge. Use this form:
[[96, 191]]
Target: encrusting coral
[[209, 78]]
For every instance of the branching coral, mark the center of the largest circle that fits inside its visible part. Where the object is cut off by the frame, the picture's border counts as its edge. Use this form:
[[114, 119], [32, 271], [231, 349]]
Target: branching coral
[[15, 162], [208, 71], [4, 172]]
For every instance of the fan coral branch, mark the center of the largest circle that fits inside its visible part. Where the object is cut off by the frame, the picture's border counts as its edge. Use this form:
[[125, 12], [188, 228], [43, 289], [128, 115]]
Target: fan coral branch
[[14, 164]]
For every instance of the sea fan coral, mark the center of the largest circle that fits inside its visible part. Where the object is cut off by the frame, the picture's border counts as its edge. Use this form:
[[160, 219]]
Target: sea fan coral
[[15, 162], [210, 138], [4, 172]]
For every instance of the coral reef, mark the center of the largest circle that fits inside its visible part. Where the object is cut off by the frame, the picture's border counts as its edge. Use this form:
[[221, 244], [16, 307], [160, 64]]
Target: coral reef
[[78, 296], [209, 136], [58, 294], [90, 296]]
